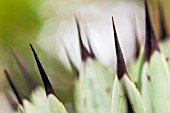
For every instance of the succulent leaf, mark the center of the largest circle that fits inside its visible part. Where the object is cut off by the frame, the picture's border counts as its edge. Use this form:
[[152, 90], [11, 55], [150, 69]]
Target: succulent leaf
[[93, 88], [155, 71], [124, 88], [158, 95], [55, 106]]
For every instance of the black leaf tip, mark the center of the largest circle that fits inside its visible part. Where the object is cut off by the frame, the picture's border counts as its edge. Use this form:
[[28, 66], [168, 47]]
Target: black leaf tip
[[83, 50], [151, 43], [121, 68], [47, 84], [18, 94], [31, 84]]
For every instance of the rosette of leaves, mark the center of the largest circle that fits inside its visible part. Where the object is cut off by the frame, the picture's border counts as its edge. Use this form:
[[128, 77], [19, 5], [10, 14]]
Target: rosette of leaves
[[94, 83]]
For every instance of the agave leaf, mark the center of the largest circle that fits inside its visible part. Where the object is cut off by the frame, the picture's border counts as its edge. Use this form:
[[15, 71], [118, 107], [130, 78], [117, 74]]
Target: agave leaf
[[164, 46], [125, 95], [39, 99], [55, 106], [160, 84], [40, 103], [152, 92], [37, 104], [122, 88], [95, 82], [156, 75], [78, 99], [93, 88], [80, 96], [30, 108], [101, 91], [118, 98], [146, 89]]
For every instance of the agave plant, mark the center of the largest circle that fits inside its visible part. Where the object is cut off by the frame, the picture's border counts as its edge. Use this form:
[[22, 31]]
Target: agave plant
[[97, 89]]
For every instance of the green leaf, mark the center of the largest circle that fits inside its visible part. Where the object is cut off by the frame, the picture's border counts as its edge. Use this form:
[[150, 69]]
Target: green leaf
[[39, 100], [93, 88], [146, 89], [40, 103], [159, 76], [55, 105], [122, 89], [164, 46]]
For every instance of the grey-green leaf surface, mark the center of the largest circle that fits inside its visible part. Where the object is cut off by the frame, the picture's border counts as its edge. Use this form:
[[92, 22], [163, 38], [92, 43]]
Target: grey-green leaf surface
[[40, 103], [164, 46], [55, 106], [159, 78], [122, 88], [93, 88]]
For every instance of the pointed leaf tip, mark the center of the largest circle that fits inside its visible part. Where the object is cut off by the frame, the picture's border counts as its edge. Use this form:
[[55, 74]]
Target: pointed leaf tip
[[47, 84], [31, 84], [162, 23], [121, 68], [151, 43], [18, 94], [83, 50]]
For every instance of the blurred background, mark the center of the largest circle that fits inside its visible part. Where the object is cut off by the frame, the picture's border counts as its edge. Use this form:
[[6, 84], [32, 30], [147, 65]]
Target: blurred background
[[44, 23]]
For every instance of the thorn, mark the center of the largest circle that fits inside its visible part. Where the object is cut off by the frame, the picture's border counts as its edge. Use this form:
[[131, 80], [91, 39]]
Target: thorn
[[31, 84], [84, 52], [151, 43], [47, 84], [121, 68], [15, 90], [163, 29]]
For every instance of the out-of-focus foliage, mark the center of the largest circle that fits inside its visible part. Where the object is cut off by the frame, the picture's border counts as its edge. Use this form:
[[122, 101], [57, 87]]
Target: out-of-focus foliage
[[20, 24]]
